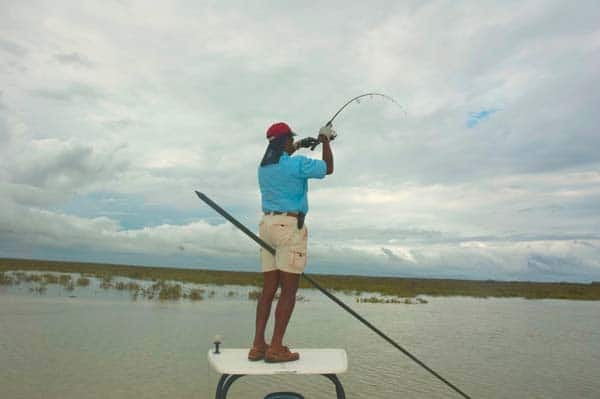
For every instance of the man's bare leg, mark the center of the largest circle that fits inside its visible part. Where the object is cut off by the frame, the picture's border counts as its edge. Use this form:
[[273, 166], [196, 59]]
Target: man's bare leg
[[285, 307], [263, 307]]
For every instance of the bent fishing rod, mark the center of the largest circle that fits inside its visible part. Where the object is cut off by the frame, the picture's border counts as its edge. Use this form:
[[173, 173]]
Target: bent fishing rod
[[357, 100], [269, 248]]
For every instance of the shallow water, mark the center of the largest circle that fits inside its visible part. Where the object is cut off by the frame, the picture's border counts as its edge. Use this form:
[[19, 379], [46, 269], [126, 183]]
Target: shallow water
[[102, 344]]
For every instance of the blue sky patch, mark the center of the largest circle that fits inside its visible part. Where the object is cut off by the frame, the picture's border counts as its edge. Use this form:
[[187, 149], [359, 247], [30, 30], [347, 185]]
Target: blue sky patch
[[476, 117]]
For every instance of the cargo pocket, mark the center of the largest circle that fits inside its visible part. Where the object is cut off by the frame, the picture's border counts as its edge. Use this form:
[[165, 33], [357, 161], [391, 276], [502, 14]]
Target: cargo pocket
[[297, 259]]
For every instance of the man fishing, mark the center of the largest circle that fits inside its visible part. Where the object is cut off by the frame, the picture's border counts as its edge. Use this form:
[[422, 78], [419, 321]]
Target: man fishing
[[283, 181]]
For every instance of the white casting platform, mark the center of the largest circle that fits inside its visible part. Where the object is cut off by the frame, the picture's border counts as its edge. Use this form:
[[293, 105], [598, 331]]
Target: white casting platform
[[312, 361]]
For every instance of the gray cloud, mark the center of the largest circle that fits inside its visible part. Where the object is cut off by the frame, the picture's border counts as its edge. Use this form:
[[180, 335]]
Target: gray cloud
[[12, 48], [64, 166], [119, 124], [73, 59], [73, 92], [391, 255], [48, 172], [540, 264]]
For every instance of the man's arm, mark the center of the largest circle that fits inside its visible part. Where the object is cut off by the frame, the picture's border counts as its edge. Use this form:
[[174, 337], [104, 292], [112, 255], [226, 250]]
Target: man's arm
[[327, 154]]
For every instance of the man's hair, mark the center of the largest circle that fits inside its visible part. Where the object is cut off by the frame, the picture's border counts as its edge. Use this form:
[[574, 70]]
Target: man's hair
[[274, 150]]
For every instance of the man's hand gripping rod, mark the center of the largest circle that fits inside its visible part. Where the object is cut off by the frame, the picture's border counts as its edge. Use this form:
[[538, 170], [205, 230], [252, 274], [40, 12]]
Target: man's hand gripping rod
[[269, 248]]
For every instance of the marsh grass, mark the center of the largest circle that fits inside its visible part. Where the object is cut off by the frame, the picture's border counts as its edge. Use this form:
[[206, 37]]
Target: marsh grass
[[380, 299], [195, 294], [64, 279], [32, 278], [6, 279], [83, 281], [254, 295], [385, 286], [106, 283], [170, 292], [50, 278]]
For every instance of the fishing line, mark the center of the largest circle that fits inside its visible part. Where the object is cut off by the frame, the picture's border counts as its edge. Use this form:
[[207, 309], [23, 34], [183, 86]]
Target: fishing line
[[269, 248], [357, 100]]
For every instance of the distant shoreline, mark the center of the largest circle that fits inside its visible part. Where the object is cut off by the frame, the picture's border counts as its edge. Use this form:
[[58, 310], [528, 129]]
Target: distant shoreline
[[392, 286]]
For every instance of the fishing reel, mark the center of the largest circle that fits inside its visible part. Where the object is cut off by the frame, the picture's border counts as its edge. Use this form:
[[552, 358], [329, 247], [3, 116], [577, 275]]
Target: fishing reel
[[310, 142], [307, 142]]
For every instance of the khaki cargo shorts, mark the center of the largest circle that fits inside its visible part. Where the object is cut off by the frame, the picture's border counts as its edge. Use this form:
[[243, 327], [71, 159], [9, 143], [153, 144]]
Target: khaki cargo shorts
[[282, 233]]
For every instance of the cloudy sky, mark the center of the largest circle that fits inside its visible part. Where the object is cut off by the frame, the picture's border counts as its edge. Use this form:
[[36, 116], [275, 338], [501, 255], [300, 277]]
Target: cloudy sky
[[113, 112]]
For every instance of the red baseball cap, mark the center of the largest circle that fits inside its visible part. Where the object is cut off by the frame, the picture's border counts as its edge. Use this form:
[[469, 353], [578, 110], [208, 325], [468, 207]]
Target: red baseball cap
[[279, 129]]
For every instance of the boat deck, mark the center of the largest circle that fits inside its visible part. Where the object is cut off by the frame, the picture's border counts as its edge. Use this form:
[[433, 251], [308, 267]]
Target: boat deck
[[312, 361]]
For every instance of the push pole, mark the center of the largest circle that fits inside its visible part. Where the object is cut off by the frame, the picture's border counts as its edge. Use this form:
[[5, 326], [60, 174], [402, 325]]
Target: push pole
[[269, 248]]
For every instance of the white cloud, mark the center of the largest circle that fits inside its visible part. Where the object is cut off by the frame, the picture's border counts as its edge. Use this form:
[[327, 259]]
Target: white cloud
[[46, 228]]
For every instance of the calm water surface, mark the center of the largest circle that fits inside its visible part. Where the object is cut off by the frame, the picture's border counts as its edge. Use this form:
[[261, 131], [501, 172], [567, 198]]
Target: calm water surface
[[103, 344]]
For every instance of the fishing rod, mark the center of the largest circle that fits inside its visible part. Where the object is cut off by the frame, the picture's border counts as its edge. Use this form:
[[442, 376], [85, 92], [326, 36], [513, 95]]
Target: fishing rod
[[357, 100], [271, 250]]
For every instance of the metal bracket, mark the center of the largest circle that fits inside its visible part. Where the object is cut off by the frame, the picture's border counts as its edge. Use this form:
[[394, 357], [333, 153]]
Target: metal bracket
[[227, 380]]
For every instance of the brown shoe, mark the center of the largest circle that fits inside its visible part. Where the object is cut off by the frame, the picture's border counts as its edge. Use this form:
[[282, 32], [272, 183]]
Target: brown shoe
[[282, 355], [256, 354]]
